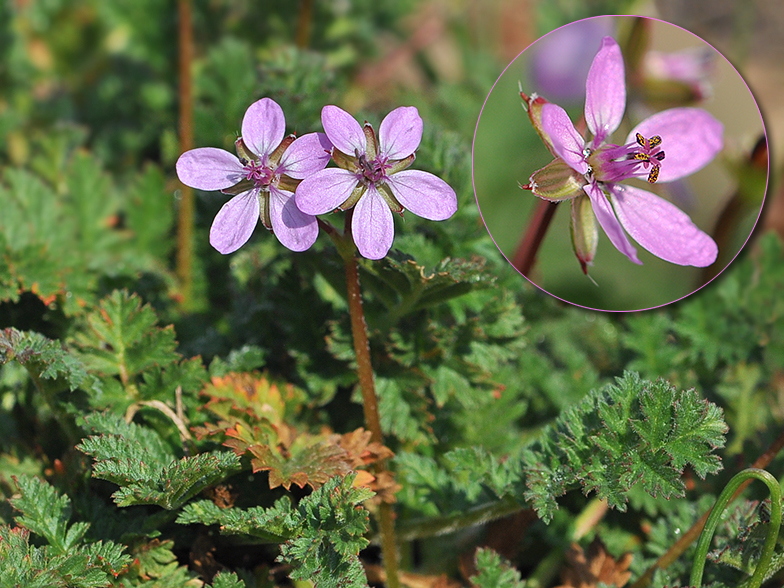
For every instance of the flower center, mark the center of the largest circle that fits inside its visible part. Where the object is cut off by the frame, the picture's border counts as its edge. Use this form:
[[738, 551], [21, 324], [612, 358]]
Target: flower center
[[372, 170], [650, 152], [614, 163], [261, 175]]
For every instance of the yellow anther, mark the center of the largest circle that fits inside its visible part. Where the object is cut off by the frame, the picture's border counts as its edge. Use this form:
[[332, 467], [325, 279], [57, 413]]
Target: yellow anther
[[642, 157], [654, 141], [654, 175], [640, 140]]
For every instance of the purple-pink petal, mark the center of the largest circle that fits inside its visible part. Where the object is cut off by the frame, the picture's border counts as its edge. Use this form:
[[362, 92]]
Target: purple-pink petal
[[234, 223], [263, 126], [372, 226], [343, 131], [605, 91], [400, 133], [662, 228], [208, 168], [293, 228], [305, 156], [691, 138], [609, 223], [423, 194], [567, 142], [324, 191]]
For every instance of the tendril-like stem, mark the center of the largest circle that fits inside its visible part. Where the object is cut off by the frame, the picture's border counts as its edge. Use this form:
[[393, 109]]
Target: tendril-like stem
[[715, 516]]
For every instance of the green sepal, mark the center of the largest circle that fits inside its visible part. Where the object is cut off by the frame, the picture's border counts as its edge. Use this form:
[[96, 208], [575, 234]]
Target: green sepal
[[344, 161], [389, 198], [240, 187], [585, 233], [401, 164], [264, 210], [356, 194], [245, 154], [275, 156], [371, 145], [288, 184], [556, 182]]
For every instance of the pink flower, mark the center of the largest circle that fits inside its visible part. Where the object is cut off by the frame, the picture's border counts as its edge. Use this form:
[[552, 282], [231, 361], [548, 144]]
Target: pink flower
[[372, 177], [590, 171], [262, 178]]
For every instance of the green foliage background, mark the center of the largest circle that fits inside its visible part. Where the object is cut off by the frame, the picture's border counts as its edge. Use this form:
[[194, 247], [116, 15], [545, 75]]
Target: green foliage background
[[496, 399]]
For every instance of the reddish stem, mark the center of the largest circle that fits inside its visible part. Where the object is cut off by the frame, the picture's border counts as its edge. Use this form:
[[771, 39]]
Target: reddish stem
[[525, 255]]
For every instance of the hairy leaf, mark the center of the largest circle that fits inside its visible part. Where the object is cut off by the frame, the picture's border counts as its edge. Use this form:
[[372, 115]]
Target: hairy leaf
[[633, 432]]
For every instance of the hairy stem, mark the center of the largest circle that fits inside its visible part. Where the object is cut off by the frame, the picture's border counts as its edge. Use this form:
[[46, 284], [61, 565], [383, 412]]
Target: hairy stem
[[733, 487], [681, 545], [185, 215], [370, 406], [525, 255]]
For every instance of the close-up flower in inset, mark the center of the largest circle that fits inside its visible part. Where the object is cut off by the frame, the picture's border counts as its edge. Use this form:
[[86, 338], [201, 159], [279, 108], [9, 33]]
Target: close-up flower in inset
[[372, 177], [262, 178], [667, 146]]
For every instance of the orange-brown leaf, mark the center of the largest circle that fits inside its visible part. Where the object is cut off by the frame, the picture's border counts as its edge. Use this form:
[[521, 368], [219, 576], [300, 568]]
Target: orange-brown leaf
[[587, 570]]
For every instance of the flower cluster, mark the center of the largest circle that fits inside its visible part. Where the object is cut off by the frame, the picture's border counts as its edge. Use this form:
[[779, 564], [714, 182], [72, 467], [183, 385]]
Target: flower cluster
[[284, 181], [664, 147]]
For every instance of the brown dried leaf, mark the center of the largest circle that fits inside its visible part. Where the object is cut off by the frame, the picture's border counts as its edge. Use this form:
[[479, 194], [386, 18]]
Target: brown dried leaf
[[587, 570]]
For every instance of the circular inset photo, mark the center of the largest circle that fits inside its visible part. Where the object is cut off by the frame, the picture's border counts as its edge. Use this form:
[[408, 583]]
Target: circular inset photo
[[620, 163]]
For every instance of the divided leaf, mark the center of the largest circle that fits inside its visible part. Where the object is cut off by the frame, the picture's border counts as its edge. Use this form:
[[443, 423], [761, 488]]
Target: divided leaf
[[636, 431], [42, 357], [493, 571], [122, 338], [404, 286], [253, 414], [324, 533], [65, 561], [136, 459], [46, 514]]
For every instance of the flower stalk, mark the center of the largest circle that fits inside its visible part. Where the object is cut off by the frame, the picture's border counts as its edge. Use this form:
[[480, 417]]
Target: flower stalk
[[370, 406], [525, 255], [714, 518]]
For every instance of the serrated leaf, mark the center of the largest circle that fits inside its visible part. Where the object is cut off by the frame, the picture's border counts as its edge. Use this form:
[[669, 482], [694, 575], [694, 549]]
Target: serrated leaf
[[123, 339], [136, 459], [46, 513], [227, 580], [404, 286], [494, 572], [43, 358], [633, 432]]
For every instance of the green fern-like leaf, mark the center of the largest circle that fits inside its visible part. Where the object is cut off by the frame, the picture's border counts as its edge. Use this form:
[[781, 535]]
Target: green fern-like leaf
[[122, 338], [494, 572], [636, 431], [46, 514], [65, 561], [136, 459], [43, 358], [227, 580]]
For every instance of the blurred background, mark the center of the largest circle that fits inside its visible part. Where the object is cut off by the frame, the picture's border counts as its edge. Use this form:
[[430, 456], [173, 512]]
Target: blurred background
[[667, 67]]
